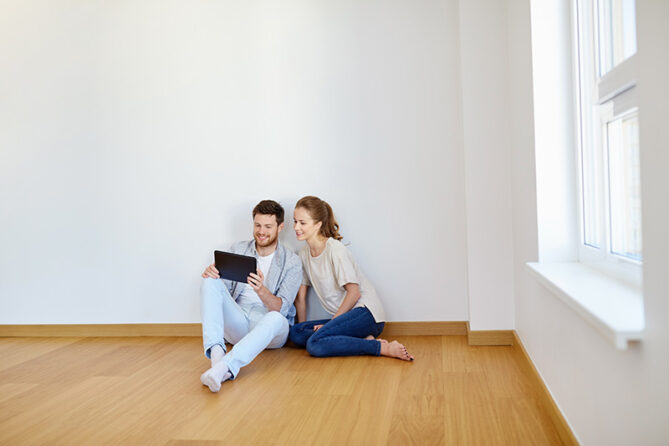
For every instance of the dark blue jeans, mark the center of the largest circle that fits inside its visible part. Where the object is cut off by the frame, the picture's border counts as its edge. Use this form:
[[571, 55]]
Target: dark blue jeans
[[341, 336]]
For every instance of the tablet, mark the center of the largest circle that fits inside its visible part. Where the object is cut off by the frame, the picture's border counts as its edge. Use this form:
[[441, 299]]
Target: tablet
[[234, 266]]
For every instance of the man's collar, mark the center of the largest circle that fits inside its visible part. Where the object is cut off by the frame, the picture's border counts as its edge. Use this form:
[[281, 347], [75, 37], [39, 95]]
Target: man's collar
[[255, 251]]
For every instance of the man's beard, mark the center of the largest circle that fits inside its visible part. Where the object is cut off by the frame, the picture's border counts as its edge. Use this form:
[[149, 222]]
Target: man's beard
[[269, 241]]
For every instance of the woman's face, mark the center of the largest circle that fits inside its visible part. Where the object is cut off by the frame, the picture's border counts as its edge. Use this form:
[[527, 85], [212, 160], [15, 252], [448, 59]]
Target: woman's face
[[305, 226]]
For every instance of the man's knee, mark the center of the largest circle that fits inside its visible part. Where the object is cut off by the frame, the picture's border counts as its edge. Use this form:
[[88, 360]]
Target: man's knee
[[213, 289], [209, 283], [278, 327], [276, 320]]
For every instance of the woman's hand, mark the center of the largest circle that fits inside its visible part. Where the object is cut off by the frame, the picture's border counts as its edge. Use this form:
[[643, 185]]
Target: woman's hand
[[316, 327]]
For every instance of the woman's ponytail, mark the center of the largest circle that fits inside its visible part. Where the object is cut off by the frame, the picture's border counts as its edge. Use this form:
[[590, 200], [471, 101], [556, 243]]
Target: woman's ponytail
[[330, 227]]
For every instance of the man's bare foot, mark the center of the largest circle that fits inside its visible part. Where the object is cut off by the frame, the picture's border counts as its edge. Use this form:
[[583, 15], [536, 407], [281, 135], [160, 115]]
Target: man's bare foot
[[395, 350], [372, 338]]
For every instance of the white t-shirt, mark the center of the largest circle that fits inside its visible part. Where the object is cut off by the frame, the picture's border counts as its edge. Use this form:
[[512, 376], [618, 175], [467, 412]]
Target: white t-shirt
[[248, 296], [330, 271]]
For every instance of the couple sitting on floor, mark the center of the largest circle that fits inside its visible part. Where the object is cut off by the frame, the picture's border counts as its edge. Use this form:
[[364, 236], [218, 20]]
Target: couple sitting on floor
[[258, 314]]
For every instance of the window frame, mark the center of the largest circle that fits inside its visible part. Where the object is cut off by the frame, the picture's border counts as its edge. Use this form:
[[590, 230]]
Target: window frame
[[599, 101]]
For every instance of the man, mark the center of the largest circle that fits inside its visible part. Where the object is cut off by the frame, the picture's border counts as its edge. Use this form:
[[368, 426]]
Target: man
[[254, 315]]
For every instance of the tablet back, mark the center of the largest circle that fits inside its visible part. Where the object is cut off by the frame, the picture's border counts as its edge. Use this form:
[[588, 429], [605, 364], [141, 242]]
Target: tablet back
[[235, 267]]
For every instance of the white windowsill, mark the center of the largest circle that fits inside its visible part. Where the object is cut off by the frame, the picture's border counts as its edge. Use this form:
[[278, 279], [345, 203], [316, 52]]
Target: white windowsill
[[614, 308]]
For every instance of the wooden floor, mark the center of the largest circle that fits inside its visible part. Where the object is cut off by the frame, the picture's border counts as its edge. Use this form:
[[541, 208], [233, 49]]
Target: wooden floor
[[147, 391]]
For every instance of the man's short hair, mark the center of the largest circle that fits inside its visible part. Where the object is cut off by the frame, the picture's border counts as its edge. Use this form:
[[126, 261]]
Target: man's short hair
[[269, 207]]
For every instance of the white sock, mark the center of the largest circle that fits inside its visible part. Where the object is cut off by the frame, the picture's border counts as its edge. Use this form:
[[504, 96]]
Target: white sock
[[216, 354], [215, 376]]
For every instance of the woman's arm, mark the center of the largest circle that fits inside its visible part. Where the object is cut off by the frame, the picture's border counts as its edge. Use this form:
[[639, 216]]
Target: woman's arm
[[350, 299], [301, 303]]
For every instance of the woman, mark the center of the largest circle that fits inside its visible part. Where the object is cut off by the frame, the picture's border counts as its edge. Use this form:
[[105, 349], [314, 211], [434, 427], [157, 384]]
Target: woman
[[358, 316]]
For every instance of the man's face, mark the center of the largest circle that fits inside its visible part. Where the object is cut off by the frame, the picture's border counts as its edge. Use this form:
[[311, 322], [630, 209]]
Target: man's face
[[265, 230]]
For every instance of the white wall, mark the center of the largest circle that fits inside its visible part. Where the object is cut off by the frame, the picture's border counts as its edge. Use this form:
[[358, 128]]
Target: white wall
[[487, 164], [609, 397], [135, 137]]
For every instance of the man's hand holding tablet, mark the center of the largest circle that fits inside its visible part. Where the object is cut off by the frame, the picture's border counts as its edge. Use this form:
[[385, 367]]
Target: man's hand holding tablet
[[231, 267], [211, 272], [257, 283]]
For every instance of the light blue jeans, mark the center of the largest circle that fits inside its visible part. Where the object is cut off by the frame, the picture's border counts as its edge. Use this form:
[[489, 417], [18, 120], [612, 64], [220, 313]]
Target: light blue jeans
[[251, 330]]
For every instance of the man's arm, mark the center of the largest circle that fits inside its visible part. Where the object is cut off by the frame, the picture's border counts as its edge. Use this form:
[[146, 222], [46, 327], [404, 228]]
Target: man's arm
[[272, 302], [285, 294], [301, 303], [290, 284]]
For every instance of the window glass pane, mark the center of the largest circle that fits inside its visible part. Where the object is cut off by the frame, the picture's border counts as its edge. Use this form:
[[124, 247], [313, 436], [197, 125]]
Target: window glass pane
[[617, 32], [625, 186]]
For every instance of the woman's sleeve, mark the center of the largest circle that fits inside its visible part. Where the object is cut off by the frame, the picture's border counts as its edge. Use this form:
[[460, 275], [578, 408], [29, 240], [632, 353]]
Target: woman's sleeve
[[305, 276], [344, 267]]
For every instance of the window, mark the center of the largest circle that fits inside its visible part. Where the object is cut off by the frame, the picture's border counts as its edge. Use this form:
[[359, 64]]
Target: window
[[610, 199], [587, 162]]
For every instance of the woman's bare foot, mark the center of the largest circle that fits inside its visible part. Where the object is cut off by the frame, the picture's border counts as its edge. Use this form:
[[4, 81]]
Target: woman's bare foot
[[372, 338], [395, 350]]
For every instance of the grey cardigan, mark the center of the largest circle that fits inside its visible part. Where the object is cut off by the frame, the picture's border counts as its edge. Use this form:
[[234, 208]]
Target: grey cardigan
[[284, 278]]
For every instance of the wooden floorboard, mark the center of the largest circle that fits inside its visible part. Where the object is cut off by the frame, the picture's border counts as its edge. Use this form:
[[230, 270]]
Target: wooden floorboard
[[146, 390]]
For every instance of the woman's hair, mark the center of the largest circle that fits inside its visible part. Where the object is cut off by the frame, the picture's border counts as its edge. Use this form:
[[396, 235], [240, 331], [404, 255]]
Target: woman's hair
[[321, 211]]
